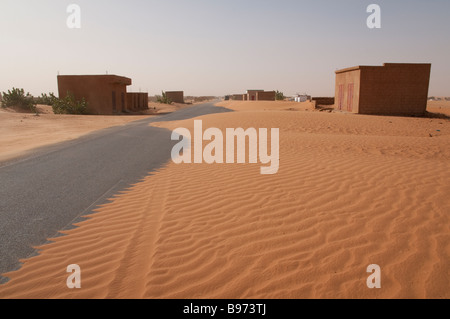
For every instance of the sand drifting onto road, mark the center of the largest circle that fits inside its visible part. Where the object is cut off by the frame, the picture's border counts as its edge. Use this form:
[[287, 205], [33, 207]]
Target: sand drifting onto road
[[351, 191]]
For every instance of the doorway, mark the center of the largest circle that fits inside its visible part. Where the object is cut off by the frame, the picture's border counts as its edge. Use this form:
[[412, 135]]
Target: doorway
[[350, 97]]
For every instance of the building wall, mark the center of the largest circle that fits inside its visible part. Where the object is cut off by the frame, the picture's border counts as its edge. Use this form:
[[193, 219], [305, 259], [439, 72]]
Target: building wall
[[397, 89], [324, 100], [391, 89], [238, 97], [266, 96], [120, 99], [105, 94], [130, 102], [347, 90], [137, 101], [144, 97], [176, 96], [252, 95]]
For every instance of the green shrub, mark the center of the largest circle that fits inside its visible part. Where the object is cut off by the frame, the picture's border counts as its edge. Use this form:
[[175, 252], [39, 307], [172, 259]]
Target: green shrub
[[279, 96], [18, 98], [163, 99], [69, 105], [45, 99]]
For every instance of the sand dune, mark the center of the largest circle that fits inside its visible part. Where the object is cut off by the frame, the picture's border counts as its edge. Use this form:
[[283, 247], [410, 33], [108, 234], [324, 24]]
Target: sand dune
[[351, 191]]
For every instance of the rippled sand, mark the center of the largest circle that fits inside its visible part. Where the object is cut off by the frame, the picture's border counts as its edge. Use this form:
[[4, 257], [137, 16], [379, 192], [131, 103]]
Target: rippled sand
[[351, 191]]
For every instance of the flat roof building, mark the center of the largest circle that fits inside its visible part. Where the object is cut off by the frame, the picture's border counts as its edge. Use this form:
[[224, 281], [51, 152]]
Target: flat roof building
[[105, 94], [260, 95], [252, 95], [391, 89], [175, 96]]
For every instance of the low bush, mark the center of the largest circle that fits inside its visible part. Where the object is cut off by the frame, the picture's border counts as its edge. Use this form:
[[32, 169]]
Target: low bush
[[69, 105], [18, 98], [163, 99]]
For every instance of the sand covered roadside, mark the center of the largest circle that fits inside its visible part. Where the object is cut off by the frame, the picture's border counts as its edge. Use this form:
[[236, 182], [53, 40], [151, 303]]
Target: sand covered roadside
[[351, 191], [22, 132]]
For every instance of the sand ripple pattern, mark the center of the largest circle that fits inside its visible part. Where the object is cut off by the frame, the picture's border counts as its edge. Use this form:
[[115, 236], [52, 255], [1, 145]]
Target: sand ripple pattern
[[344, 198]]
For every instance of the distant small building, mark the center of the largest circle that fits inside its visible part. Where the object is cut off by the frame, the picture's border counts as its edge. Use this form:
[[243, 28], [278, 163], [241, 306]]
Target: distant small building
[[252, 95], [255, 95], [391, 89], [260, 95], [105, 94], [302, 98], [175, 96]]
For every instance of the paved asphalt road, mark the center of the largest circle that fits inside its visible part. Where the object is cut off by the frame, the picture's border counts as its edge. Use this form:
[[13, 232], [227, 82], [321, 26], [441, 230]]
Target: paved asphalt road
[[53, 187]]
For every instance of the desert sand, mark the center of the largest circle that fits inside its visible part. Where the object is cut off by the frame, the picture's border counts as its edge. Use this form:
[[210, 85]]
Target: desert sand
[[351, 191], [439, 107], [161, 109]]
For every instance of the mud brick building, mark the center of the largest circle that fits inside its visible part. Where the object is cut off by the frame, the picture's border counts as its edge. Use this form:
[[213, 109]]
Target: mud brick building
[[239, 97], [260, 95], [175, 96], [252, 95], [105, 94], [391, 89]]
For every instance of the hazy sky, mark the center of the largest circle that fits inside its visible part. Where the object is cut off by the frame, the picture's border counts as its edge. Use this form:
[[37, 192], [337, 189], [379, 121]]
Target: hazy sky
[[216, 47]]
